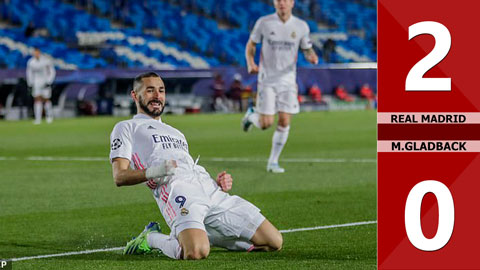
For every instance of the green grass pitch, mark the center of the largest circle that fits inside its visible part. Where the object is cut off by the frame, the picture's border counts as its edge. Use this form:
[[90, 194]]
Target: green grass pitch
[[57, 206]]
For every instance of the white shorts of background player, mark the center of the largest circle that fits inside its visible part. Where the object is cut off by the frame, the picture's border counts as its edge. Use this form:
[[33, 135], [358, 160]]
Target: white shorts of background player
[[280, 97], [44, 92]]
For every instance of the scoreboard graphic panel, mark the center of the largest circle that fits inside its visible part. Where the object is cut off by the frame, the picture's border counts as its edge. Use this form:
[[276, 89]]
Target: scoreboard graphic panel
[[428, 134]]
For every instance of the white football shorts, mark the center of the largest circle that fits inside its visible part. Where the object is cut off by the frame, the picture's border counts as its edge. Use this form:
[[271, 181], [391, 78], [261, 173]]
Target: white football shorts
[[273, 98], [198, 203], [42, 92]]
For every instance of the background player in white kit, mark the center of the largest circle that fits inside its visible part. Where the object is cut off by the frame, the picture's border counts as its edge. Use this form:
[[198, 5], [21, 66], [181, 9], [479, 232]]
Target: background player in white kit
[[197, 208], [281, 34], [40, 76]]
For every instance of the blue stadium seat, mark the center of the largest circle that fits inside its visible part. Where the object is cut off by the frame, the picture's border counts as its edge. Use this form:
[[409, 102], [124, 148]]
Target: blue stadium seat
[[189, 25]]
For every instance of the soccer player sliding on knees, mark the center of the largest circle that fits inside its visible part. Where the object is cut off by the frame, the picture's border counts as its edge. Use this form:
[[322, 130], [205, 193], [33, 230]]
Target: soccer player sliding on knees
[[281, 35], [197, 208]]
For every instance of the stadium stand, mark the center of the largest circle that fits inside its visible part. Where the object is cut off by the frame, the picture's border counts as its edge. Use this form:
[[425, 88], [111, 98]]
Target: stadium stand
[[132, 50], [188, 40], [189, 33], [17, 49]]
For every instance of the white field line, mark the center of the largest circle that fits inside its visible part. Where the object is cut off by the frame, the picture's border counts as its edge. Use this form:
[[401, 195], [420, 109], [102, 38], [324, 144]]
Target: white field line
[[121, 248], [66, 158], [8, 158], [66, 254], [214, 159], [329, 226]]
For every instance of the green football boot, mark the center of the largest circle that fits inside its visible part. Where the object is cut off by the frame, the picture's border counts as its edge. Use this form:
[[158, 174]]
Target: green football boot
[[139, 244]]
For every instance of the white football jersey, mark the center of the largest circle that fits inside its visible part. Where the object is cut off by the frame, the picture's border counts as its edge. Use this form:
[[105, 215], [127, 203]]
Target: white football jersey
[[147, 142], [40, 72], [280, 43]]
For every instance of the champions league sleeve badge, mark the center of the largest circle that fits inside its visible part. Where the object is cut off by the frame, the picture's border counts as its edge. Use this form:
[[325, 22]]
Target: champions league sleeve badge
[[117, 143]]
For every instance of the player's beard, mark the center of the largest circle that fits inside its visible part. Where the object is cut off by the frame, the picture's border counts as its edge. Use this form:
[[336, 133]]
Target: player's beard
[[153, 113]]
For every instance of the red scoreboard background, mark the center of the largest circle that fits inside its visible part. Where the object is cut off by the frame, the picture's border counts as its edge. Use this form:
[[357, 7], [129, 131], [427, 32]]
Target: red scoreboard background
[[428, 134]]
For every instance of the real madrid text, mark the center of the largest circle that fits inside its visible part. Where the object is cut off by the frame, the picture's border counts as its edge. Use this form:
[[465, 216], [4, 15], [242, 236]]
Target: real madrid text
[[428, 118]]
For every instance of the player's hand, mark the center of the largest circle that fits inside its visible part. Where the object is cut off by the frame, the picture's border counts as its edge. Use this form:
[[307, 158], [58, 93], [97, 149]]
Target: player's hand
[[224, 180], [252, 68], [166, 169], [312, 58]]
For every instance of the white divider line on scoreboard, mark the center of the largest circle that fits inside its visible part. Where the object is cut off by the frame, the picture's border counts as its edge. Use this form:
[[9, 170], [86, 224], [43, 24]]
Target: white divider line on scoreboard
[[121, 248], [213, 159]]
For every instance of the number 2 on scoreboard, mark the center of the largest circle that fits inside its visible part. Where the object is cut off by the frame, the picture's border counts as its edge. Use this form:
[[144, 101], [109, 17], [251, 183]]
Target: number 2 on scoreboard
[[443, 42]]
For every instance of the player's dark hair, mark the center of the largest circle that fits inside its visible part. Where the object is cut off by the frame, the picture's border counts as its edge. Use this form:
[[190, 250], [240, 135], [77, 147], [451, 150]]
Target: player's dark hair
[[137, 82]]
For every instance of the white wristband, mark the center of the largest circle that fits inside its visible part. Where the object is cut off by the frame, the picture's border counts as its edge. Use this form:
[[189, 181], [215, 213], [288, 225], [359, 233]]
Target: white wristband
[[165, 169]]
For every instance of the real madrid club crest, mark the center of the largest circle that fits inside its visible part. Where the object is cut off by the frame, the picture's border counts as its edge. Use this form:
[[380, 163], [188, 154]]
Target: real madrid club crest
[[293, 35], [184, 211]]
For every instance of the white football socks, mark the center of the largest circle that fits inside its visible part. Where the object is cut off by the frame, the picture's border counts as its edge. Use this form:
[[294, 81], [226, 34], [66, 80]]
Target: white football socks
[[279, 139], [255, 119], [37, 109], [48, 111], [169, 246]]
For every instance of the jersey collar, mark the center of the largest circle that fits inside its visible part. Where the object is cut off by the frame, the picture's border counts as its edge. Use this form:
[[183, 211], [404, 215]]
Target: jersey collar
[[144, 116], [280, 20]]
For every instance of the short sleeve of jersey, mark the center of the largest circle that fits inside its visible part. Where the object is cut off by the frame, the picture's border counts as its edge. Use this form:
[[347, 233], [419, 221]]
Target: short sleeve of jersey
[[305, 42], [121, 141], [256, 35]]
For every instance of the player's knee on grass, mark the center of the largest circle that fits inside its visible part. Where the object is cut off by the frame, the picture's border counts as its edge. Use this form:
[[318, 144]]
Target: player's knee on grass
[[197, 251], [276, 242], [268, 237], [194, 243]]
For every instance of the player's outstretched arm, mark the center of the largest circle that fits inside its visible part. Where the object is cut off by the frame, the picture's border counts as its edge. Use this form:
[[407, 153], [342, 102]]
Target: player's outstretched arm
[[124, 176], [225, 181], [311, 56], [250, 57], [51, 73]]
